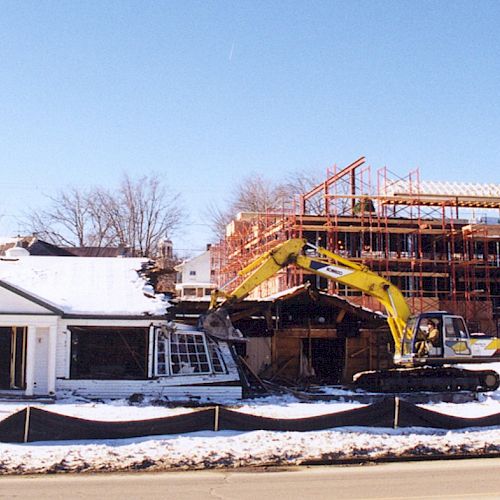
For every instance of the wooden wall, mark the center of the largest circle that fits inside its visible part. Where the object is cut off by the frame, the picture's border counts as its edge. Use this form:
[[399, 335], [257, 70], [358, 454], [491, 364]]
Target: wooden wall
[[368, 351]]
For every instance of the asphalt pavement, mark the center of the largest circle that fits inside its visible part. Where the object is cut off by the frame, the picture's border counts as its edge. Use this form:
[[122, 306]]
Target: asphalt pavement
[[444, 479]]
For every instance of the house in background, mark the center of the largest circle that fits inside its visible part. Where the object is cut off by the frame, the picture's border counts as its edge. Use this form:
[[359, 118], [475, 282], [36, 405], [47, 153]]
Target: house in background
[[35, 246], [92, 326], [38, 247], [194, 277]]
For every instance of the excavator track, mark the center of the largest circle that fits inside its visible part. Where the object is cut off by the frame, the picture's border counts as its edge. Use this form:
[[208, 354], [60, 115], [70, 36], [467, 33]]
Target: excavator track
[[428, 379]]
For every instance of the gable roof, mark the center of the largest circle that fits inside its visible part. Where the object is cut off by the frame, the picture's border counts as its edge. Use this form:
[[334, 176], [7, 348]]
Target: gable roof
[[95, 286], [301, 294], [193, 260], [34, 245], [98, 251]]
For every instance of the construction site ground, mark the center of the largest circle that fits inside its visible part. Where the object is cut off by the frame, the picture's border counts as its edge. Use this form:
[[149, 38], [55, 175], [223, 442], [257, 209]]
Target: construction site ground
[[234, 449]]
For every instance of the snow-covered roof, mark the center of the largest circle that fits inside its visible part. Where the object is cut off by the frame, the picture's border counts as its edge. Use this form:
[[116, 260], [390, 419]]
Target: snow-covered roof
[[84, 285], [291, 291], [282, 294]]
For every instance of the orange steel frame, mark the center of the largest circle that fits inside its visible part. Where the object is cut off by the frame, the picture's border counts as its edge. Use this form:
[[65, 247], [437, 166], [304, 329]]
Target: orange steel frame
[[422, 245]]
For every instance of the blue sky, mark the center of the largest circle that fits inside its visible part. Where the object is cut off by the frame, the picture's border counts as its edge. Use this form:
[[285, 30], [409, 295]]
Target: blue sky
[[207, 92]]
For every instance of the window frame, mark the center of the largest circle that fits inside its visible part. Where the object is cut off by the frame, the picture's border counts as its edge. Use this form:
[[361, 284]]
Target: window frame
[[210, 349], [189, 354]]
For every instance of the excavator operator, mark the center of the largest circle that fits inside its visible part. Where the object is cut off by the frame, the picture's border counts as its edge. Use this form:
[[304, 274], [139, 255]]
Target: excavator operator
[[433, 335], [427, 337]]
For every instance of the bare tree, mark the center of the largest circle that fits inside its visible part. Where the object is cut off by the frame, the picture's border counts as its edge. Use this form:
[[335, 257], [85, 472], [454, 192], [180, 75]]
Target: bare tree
[[142, 212], [255, 193], [218, 218], [66, 221], [101, 233], [137, 215], [301, 182]]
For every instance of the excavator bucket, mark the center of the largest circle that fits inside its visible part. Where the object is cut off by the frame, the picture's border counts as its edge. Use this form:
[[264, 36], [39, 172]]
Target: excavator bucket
[[217, 324]]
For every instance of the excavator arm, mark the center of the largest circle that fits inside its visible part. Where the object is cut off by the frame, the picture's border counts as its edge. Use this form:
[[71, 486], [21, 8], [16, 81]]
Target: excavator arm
[[328, 265]]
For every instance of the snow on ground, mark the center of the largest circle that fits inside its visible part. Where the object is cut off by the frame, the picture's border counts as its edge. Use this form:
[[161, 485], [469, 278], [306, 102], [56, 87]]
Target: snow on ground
[[487, 404], [237, 449]]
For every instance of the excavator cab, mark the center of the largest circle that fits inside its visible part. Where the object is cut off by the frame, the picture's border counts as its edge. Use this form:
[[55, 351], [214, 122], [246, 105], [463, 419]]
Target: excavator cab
[[435, 336], [430, 343]]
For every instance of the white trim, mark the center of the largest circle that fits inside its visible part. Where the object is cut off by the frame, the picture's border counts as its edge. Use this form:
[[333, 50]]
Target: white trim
[[51, 362], [30, 360], [67, 334], [146, 322], [151, 342], [27, 319]]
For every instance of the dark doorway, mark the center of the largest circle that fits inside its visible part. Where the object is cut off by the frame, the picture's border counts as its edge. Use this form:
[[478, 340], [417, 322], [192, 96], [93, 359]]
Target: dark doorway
[[327, 358], [12, 357]]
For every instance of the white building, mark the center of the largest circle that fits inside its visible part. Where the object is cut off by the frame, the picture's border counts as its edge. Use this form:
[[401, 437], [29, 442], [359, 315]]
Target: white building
[[194, 279], [92, 326]]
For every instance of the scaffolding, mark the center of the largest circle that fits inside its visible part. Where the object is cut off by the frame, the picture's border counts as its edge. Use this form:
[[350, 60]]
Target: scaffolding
[[439, 242]]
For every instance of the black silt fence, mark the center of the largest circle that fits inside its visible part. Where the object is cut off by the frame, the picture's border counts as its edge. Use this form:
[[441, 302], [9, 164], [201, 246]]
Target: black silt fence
[[375, 415], [35, 424], [410, 415]]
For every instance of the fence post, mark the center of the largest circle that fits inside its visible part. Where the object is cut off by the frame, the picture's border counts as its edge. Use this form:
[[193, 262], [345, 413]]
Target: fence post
[[396, 412], [27, 424], [216, 423]]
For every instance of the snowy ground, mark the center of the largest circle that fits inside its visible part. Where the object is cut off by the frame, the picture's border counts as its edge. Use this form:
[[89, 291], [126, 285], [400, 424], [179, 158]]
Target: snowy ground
[[237, 449]]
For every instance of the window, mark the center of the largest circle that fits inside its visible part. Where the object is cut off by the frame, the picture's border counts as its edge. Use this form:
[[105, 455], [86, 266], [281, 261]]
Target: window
[[188, 353], [455, 327], [108, 353], [216, 357], [192, 273]]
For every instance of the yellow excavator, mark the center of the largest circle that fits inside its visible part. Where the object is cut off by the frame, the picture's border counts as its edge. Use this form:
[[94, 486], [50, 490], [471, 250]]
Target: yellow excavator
[[424, 345]]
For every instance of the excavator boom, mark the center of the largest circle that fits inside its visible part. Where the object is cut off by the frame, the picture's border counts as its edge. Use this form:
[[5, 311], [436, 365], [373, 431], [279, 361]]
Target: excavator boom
[[332, 266]]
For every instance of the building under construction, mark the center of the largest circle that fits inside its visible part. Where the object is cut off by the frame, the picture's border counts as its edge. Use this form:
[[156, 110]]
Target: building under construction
[[439, 242]]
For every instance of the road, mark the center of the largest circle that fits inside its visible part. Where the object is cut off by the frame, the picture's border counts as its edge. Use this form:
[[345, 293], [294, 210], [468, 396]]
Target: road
[[462, 479]]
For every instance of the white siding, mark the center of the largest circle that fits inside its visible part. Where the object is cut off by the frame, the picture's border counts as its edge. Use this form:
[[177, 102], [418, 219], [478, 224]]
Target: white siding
[[41, 369], [168, 388], [200, 265], [62, 353], [11, 303]]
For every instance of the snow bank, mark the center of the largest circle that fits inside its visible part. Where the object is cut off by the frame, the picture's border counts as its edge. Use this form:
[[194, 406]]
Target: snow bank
[[229, 449]]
